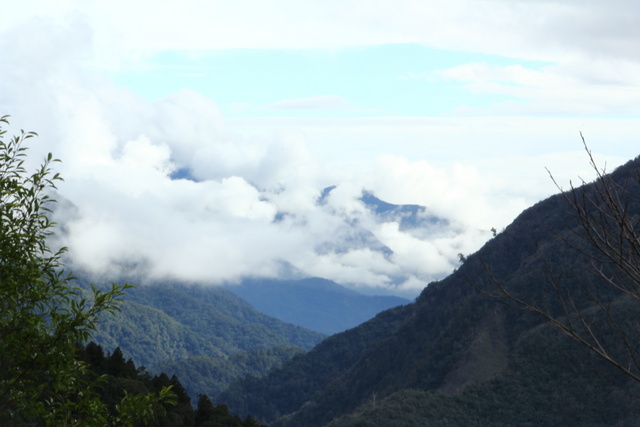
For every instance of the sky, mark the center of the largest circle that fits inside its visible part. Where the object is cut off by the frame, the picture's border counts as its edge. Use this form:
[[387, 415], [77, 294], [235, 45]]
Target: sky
[[197, 136]]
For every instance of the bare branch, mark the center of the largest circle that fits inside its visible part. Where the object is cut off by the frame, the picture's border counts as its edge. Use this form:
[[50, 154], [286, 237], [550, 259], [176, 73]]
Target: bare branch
[[607, 235]]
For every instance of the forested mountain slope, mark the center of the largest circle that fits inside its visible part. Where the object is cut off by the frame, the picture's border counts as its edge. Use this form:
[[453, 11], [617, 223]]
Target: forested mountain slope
[[285, 390], [460, 357], [206, 335], [175, 321]]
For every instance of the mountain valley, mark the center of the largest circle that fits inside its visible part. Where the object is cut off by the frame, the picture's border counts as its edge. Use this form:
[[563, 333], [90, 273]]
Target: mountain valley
[[462, 354]]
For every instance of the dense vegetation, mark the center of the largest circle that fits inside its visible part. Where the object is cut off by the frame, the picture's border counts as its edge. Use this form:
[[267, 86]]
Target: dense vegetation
[[212, 375], [118, 377], [285, 390], [43, 315], [47, 375], [207, 336], [461, 357], [170, 322], [546, 383]]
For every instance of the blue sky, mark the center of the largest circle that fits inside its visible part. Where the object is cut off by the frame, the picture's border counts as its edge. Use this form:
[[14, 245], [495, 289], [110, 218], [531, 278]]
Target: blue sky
[[460, 106], [399, 80]]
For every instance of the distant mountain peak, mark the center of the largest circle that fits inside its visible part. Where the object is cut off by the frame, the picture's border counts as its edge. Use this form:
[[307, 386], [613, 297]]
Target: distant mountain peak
[[322, 200], [407, 216]]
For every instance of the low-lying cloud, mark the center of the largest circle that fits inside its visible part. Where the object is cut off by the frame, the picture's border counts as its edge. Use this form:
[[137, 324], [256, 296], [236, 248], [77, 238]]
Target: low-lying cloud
[[242, 207], [166, 189]]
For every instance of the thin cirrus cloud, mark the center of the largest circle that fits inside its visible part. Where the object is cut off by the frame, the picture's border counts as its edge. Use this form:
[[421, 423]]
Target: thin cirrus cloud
[[553, 88]]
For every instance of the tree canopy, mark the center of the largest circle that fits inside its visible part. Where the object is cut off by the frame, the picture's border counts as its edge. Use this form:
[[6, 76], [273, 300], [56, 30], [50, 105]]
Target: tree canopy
[[43, 316]]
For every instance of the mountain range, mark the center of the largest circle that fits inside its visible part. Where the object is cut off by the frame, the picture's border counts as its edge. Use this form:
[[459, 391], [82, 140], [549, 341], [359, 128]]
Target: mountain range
[[206, 335], [212, 335], [209, 336], [313, 303], [356, 232], [460, 355]]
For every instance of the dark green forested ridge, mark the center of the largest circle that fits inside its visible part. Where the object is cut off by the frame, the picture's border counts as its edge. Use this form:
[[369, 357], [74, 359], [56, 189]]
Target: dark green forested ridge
[[287, 389], [549, 381], [212, 375], [177, 321], [461, 357], [120, 376], [205, 335]]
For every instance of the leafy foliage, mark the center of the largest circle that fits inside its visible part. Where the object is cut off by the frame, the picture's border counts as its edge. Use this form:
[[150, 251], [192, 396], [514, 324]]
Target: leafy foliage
[[42, 315], [123, 386]]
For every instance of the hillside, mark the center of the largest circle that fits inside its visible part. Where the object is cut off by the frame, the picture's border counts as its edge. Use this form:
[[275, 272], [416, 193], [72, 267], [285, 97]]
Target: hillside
[[206, 335], [288, 389], [121, 377], [313, 303], [460, 357]]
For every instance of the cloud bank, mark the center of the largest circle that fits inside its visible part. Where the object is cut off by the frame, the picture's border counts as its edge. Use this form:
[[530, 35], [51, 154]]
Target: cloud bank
[[167, 190], [171, 189]]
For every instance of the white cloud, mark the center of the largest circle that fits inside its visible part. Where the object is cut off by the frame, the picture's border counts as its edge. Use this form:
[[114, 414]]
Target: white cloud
[[119, 152], [252, 203], [358, 268], [415, 255], [535, 29], [592, 47], [564, 89]]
